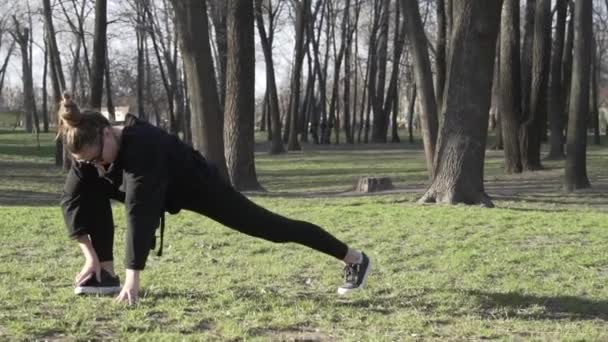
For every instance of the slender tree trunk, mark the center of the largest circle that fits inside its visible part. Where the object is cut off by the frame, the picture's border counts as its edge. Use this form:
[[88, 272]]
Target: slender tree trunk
[[276, 145], [595, 112], [440, 54], [22, 36], [45, 109], [301, 18], [499, 144], [576, 146], [410, 111], [458, 176], [218, 18], [424, 80], [567, 67], [380, 122], [207, 120], [99, 53], [109, 102], [509, 102], [556, 88]]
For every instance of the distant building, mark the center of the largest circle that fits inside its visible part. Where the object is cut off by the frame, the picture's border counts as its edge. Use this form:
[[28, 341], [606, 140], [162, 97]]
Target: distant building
[[120, 112]]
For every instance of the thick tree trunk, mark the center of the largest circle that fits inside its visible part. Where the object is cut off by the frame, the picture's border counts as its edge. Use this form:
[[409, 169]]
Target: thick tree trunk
[[424, 80], [509, 103], [240, 98], [576, 146], [567, 65], [207, 120], [461, 146], [99, 53], [556, 88]]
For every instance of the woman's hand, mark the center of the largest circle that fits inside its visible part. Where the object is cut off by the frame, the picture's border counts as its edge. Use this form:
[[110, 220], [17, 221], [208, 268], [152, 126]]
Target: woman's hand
[[91, 268], [130, 291]]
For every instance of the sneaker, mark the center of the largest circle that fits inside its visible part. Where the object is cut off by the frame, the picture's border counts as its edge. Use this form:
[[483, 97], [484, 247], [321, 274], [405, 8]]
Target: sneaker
[[108, 285], [356, 276]]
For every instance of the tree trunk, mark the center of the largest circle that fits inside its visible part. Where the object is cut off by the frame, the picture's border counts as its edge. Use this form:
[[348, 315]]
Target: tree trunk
[[99, 53], [207, 120], [45, 109], [532, 126], [499, 144], [218, 18], [424, 79], [140, 33], [240, 98], [410, 113], [276, 145], [57, 80], [109, 102], [556, 88], [380, 122], [392, 96], [509, 102], [595, 111], [567, 66], [461, 146], [22, 37], [440, 54], [301, 17], [576, 146]]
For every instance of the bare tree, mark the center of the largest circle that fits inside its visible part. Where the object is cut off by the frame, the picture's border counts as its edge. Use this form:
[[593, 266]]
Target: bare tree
[[424, 80], [458, 176], [576, 146], [207, 121], [22, 36], [57, 79], [271, 91], [302, 9]]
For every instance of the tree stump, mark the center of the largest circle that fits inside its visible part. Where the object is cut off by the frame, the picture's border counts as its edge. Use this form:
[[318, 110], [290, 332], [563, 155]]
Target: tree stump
[[373, 184]]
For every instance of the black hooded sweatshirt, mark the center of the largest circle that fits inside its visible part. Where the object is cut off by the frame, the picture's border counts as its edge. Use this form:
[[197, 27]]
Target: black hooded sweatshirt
[[154, 172]]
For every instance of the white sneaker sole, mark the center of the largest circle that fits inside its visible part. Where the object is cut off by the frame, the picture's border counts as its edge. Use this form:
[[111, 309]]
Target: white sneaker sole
[[106, 290], [345, 291]]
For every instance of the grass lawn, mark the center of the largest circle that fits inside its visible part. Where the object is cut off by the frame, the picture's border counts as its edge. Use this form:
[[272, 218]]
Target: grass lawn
[[534, 268]]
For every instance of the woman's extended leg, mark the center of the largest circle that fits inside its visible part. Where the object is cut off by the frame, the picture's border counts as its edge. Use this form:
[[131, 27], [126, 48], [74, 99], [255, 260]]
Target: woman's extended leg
[[222, 203]]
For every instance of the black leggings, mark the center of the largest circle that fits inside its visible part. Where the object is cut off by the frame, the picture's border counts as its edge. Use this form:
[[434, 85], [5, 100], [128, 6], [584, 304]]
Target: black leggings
[[222, 203]]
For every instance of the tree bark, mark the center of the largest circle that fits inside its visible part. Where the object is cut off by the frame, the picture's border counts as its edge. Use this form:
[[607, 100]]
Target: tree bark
[[556, 88], [380, 122], [424, 80], [461, 146], [301, 17], [440, 54], [240, 98], [218, 18], [576, 146], [509, 102], [22, 37], [99, 54], [207, 120], [532, 126]]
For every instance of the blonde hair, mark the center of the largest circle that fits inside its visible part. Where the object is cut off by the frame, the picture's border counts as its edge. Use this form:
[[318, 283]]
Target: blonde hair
[[78, 129]]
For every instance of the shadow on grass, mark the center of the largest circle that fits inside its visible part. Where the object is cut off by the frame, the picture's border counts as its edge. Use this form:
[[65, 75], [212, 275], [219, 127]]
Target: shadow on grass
[[555, 308], [28, 198]]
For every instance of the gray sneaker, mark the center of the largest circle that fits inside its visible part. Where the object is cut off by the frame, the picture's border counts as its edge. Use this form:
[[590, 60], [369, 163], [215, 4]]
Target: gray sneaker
[[355, 276], [108, 285]]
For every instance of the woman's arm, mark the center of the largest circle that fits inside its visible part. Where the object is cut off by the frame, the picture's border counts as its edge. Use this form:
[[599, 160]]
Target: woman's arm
[[92, 266]]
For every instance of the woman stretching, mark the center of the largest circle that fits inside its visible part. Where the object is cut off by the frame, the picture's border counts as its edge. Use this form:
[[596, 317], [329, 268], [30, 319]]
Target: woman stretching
[[153, 172]]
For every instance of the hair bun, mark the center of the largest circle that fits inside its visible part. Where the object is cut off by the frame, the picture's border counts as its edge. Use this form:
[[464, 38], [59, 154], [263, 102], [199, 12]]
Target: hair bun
[[69, 111]]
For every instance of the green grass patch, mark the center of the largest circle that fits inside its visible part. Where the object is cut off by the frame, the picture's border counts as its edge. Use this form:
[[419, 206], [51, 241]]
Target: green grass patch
[[534, 268]]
